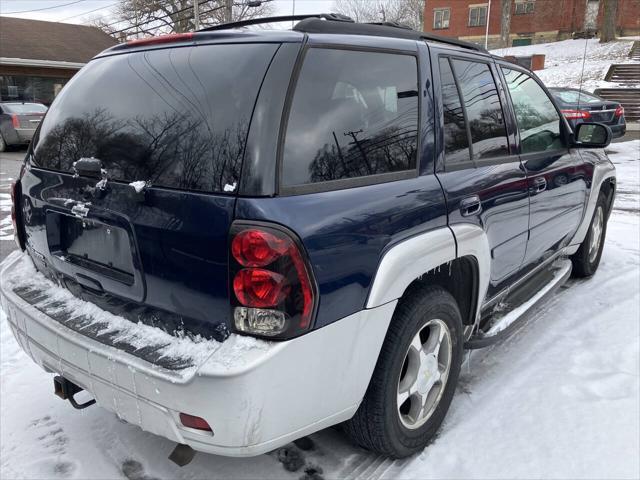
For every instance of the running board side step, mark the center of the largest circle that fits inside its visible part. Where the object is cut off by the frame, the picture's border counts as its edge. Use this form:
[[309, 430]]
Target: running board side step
[[504, 326]]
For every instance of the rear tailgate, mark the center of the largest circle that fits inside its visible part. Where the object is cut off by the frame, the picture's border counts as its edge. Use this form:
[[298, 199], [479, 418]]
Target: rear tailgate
[[174, 121], [603, 113]]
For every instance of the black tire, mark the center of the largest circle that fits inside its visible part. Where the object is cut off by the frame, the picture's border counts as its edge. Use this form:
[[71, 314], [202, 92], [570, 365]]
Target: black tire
[[586, 260], [377, 424], [3, 144]]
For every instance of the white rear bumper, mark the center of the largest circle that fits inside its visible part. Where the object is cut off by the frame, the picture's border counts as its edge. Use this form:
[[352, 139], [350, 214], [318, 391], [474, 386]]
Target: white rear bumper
[[278, 393]]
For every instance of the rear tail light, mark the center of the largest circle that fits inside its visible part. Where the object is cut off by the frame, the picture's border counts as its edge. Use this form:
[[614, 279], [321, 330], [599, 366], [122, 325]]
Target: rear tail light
[[15, 121], [576, 114], [174, 37], [619, 111], [258, 287], [273, 290], [191, 421]]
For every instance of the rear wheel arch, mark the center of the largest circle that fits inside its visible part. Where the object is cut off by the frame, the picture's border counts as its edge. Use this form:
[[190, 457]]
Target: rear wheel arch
[[460, 277], [608, 188], [457, 259]]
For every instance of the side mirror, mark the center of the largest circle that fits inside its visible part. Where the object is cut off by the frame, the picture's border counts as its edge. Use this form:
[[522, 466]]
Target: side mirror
[[592, 135]]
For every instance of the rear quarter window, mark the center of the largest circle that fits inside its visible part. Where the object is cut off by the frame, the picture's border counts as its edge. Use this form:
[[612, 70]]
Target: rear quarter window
[[175, 117], [353, 114]]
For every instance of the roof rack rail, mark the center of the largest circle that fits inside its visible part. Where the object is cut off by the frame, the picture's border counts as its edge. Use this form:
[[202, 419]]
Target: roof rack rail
[[335, 17], [453, 41], [342, 24], [391, 24]]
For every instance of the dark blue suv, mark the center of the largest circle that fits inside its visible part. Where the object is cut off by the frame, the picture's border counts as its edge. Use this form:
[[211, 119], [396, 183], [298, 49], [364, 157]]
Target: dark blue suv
[[319, 221]]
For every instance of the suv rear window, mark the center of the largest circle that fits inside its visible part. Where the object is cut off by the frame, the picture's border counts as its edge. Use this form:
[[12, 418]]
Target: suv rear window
[[353, 114], [175, 117]]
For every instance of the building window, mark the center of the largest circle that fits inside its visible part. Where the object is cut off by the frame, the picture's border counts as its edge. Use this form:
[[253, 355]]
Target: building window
[[524, 6], [441, 18], [478, 16], [27, 88]]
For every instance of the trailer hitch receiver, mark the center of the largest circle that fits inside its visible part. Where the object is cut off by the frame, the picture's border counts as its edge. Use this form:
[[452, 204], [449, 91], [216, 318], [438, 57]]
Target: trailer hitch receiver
[[65, 389]]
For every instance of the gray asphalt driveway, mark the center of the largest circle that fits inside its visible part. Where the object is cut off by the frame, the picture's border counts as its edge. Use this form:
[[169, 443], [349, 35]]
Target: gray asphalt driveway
[[9, 168]]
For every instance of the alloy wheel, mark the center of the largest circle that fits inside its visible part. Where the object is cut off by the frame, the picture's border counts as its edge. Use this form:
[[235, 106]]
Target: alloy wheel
[[596, 233], [424, 373]]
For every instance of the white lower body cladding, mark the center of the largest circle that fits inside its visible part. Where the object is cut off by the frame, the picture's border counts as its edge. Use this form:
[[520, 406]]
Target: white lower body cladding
[[278, 394], [603, 170]]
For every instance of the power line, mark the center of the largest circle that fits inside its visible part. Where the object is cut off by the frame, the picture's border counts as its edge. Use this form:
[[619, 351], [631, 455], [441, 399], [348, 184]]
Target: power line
[[186, 9], [86, 13], [120, 21], [168, 15], [158, 18], [190, 9], [44, 8]]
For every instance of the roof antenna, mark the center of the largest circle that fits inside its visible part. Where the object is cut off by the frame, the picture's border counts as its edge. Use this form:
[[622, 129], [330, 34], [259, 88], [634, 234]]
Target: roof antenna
[[584, 57]]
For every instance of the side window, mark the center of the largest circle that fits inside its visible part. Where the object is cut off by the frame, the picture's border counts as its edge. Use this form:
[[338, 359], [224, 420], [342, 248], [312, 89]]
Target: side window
[[484, 111], [538, 120], [456, 140], [353, 114]]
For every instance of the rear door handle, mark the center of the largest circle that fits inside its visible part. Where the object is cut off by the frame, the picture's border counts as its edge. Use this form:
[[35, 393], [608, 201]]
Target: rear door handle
[[470, 206], [539, 185]]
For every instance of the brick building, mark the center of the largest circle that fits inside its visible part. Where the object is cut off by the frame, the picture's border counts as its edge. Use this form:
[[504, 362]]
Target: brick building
[[532, 21]]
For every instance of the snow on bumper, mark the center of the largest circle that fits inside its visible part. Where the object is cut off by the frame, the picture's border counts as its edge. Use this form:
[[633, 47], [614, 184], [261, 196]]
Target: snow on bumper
[[255, 399]]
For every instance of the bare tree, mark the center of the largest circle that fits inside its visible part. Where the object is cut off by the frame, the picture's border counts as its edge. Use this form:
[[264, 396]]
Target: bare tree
[[505, 23], [155, 17], [608, 31], [408, 12]]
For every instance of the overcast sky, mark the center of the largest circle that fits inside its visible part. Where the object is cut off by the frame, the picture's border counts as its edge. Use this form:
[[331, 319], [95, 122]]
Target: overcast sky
[[80, 11]]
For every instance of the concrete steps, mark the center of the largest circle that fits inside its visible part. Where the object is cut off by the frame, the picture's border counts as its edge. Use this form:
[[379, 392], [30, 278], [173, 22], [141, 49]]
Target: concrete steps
[[628, 97], [627, 75], [624, 73], [634, 53]]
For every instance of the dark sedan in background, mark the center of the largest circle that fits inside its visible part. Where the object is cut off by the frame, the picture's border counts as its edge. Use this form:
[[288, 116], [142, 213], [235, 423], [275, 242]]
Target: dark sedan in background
[[579, 106], [18, 122]]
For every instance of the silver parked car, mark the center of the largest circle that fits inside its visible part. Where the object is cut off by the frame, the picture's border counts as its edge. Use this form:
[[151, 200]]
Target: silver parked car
[[18, 122]]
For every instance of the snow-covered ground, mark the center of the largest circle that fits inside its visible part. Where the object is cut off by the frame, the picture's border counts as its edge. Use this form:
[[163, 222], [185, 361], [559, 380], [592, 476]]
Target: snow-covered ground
[[564, 61], [558, 399]]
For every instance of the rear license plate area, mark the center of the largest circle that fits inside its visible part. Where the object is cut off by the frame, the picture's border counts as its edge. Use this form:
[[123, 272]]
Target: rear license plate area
[[601, 117], [101, 248]]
